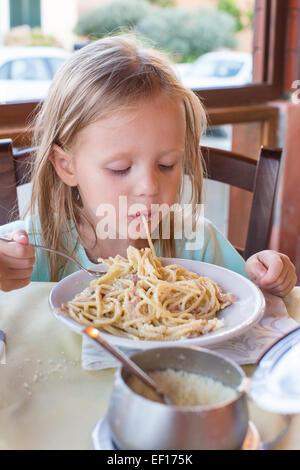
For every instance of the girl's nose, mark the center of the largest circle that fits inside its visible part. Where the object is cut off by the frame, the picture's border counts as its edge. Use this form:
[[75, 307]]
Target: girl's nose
[[147, 184]]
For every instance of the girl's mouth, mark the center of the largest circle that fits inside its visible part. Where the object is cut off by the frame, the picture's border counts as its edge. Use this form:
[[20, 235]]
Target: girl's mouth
[[138, 215]]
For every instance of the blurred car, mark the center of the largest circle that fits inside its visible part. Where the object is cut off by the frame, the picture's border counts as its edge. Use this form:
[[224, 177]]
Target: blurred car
[[216, 70], [26, 72]]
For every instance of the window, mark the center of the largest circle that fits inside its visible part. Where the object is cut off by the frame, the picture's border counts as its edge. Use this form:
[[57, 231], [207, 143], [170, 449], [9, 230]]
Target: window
[[270, 55], [29, 69], [270, 24], [219, 69], [25, 12]]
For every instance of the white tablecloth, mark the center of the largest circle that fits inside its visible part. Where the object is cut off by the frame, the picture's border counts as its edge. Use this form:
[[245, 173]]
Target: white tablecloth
[[47, 401]]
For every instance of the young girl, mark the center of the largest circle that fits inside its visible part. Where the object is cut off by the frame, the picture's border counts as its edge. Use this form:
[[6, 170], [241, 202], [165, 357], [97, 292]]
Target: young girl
[[117, 122]]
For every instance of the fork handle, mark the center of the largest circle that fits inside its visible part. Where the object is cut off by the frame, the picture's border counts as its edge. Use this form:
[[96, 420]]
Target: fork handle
[[51, 250]]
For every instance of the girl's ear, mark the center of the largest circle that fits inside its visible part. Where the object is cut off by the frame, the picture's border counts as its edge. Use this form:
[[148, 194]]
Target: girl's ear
[[62, 162]]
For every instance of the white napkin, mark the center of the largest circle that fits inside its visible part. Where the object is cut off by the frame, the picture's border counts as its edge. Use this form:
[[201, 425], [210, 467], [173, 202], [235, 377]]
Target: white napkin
[[244, 349]]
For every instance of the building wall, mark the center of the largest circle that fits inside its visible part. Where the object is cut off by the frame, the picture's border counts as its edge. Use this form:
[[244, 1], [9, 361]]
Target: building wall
[[4, 19], [87, 5], [59, 18]]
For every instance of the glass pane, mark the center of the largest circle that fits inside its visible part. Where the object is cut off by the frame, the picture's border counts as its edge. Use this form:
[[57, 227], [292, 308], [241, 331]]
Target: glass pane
[[55, 64], [4, 72], [35, 70], [215, 196], [210, 41], [24, 195], [29, 69], [226, 43]]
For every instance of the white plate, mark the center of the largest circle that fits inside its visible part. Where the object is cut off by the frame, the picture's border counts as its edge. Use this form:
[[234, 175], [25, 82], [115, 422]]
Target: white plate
[[238, 317], [101, 436]]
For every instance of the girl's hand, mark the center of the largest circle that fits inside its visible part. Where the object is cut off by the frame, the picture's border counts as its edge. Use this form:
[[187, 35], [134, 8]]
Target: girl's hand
[[16, 261], [272, 271]]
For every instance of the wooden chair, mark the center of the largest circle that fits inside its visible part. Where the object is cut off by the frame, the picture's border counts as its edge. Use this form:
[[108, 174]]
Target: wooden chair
[[15, 166], [260, 177]]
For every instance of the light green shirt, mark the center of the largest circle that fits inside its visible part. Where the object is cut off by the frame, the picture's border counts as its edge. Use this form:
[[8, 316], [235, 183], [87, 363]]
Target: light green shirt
[[215, 249]]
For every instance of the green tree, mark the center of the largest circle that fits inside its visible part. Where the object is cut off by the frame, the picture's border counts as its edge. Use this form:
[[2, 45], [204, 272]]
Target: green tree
[[186, 34], [183, 33], [112, 17], [163, 3], [229, 6]]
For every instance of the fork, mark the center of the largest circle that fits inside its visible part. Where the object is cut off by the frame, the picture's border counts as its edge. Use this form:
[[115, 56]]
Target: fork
[[91, 272]]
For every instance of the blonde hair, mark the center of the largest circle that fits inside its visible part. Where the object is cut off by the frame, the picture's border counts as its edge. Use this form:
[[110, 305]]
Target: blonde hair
[[108, 74]]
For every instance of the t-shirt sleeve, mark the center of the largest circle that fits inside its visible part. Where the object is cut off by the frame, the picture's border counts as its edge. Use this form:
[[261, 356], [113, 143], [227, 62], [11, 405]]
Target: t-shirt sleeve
[[221, 252], [40, 270], [216, 249], [12, 227]]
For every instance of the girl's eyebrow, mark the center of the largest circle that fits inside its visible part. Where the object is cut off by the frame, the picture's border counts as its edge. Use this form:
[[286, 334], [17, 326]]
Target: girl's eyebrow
[[128, 155], [178, 150], [117, 156]]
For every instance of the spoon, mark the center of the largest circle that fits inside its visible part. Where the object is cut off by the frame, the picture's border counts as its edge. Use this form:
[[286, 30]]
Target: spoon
[[91, 272], [131, 366]]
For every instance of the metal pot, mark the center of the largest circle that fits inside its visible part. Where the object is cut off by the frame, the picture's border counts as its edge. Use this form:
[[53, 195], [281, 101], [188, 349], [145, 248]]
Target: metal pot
[[138, 423]]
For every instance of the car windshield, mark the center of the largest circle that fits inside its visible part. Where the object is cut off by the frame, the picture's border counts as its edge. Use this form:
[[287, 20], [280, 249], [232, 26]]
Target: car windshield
[[217, 68], [56, 63]]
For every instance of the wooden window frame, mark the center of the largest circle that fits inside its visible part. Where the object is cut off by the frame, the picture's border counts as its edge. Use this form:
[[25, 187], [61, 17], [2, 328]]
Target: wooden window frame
[[269, 69]]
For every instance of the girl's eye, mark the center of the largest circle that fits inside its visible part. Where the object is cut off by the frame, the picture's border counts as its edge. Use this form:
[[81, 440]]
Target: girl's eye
[[120, 172], [166, 167]]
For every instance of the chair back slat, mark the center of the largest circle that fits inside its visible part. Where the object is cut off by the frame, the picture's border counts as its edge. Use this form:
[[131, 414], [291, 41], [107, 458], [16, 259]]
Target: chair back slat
[[260, 177], [230, 168], [23, 160], [264, 193], [8, 186]]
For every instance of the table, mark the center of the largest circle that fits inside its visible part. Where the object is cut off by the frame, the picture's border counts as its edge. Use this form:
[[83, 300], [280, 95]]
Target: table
[[47, 401]]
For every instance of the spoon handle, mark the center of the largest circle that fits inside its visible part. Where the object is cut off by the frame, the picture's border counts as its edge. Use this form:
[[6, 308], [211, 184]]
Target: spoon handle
[[127, 363]]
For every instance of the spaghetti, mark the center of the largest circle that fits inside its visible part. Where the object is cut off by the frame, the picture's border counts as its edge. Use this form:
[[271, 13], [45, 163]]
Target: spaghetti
[[139, 298]]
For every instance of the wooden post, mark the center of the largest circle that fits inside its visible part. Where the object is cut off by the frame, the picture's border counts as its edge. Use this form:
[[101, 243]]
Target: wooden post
[[247, 139], [286, 230]]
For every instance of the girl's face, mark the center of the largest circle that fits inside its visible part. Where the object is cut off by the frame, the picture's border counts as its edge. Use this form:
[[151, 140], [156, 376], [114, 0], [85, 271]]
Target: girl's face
[[136, 154]]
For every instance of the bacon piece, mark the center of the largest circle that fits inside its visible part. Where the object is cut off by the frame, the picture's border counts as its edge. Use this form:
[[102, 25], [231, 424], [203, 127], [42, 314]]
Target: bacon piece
[[228, 297], [135, 278]]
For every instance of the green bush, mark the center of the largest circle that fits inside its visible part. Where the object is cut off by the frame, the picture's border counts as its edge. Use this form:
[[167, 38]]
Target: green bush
[[230, 7], [164, 3], [112, 17], [186, 34]]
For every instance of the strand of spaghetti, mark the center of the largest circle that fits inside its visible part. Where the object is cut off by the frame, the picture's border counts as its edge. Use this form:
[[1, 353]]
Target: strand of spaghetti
[[148, 236]]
